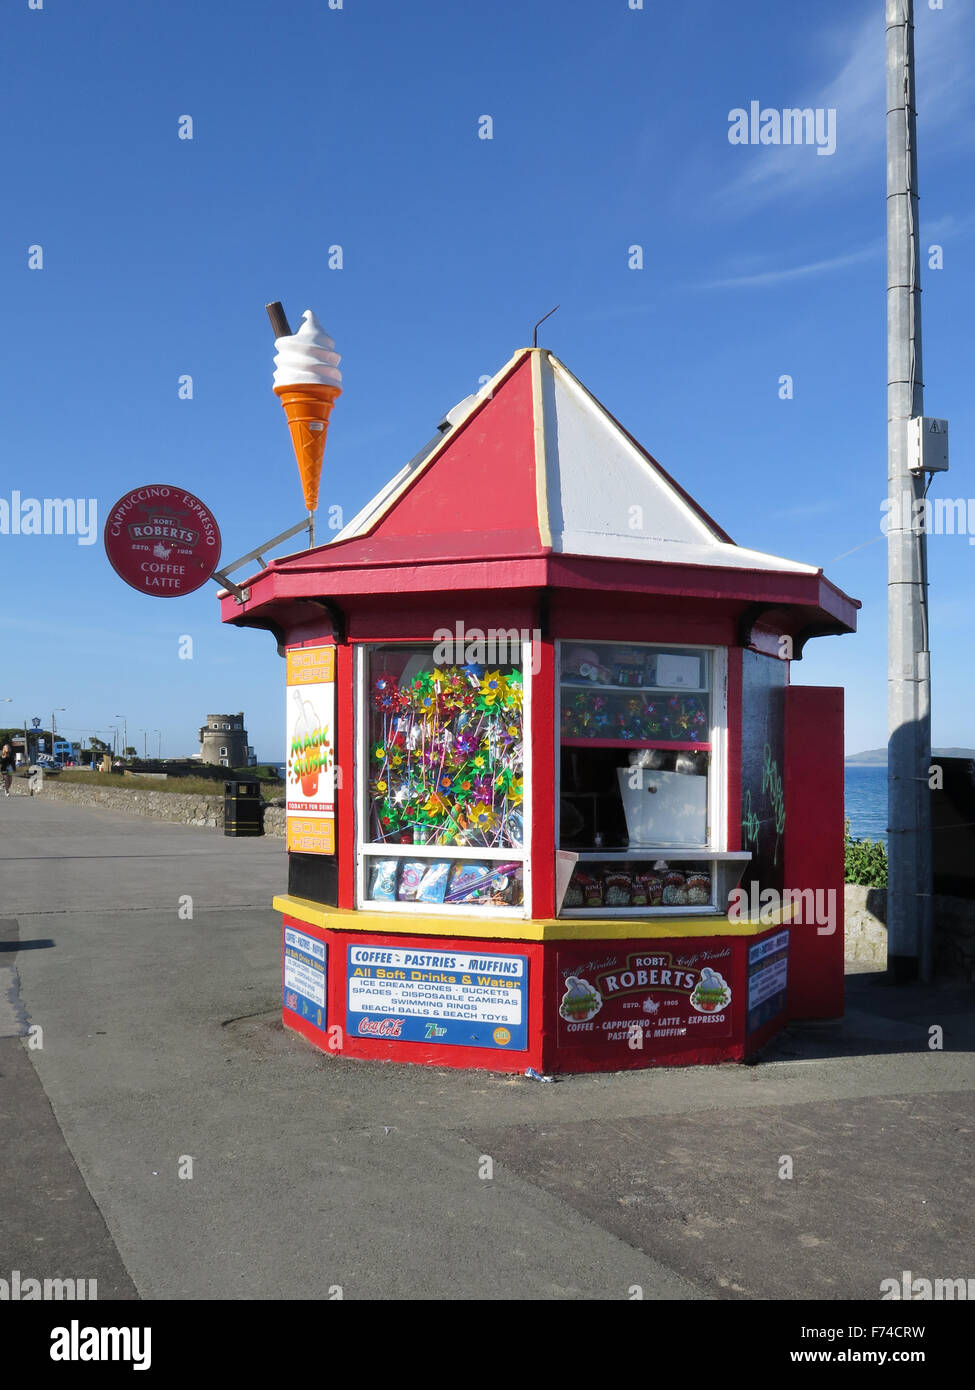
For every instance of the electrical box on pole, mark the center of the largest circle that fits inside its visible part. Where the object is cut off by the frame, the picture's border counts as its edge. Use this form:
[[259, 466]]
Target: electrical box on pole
[[928, 445]]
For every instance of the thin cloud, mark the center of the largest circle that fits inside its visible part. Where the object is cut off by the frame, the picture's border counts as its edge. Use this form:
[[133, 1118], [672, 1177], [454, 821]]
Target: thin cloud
[[796, 272], [857, 93]]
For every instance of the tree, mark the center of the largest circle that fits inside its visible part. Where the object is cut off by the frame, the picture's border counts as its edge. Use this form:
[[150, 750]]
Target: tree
[[129, 753]]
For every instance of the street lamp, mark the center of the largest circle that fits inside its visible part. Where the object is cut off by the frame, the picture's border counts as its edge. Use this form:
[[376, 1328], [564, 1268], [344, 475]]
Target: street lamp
[[125, 733], [59, 709], [158, 733], [145, 750]]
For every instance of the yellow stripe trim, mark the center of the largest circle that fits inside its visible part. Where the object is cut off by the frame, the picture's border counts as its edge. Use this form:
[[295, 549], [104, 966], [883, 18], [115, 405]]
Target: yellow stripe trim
[[541, 471], [493, 928]]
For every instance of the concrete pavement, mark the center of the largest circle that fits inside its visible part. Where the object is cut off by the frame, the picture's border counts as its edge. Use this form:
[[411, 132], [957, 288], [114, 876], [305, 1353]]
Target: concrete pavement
[[162, 1044]]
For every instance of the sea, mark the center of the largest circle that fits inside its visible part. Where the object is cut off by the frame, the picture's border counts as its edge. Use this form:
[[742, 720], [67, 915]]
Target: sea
[[866, 802]]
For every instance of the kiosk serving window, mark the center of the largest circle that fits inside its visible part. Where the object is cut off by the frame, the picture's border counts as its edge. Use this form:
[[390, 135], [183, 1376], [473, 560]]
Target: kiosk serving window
[[640, 776], [442, 786]]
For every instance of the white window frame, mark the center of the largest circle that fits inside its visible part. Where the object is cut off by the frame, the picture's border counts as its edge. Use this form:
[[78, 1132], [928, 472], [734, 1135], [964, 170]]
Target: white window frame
[[715, 853], [365, 851]]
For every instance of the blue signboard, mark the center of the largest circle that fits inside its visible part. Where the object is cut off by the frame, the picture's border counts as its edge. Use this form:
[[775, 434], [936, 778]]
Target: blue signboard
[[459, 998], [768, 967], [305, 961]]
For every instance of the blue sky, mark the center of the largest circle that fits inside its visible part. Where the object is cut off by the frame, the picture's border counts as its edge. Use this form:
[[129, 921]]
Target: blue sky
[[358, 127]]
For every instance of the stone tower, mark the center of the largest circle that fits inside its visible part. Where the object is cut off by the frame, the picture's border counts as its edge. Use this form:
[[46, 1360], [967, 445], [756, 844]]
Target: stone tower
[[223, 740]]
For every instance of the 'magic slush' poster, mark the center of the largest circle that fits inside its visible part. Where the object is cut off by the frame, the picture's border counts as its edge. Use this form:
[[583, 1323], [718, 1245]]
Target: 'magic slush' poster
[[311, 750]]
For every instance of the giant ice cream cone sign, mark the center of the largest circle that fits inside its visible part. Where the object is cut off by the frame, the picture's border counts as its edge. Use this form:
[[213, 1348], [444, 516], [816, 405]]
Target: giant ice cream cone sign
[[308, 381]]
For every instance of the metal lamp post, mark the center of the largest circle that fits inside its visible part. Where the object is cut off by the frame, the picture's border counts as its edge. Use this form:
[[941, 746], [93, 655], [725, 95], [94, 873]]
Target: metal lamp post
[[60, 709]]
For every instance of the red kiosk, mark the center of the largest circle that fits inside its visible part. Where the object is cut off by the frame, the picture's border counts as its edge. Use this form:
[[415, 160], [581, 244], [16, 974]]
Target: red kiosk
[[552, 799]]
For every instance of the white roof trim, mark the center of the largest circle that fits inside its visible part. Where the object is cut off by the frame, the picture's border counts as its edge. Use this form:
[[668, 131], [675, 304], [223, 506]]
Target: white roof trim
[[670, 552]]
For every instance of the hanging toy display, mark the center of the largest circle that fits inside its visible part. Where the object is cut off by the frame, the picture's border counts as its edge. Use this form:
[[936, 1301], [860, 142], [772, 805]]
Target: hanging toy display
[[447, 764], [677, 719]]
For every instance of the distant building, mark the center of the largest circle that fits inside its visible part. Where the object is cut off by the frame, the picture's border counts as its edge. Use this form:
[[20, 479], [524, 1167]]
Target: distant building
[[223, 740]]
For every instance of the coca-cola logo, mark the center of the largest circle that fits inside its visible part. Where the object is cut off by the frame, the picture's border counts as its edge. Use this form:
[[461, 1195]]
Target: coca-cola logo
[[382, 1027]]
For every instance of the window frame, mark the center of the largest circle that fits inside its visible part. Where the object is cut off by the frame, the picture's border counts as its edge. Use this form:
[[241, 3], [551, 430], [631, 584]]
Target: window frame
[[715, 852]]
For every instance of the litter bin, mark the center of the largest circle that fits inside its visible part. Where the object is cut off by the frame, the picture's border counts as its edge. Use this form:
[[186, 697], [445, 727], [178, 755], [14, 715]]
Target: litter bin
[[242, 808]]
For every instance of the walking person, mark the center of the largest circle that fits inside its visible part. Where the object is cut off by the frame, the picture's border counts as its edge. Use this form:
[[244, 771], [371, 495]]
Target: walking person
[[6, 768]]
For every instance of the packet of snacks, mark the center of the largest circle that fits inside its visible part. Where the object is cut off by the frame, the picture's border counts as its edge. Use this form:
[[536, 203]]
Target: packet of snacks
[[573, 894], [618, 889], [675, 889], [592, 890], [639, 892], [648, 889], [698, 888]]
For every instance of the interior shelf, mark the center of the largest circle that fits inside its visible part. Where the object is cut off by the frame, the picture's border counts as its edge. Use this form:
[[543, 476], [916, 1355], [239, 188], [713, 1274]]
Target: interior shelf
[[662, 744], [636, 689]]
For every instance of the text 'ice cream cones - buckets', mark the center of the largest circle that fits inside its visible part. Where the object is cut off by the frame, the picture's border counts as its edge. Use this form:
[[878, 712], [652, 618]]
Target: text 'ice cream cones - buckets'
[[565, 747]]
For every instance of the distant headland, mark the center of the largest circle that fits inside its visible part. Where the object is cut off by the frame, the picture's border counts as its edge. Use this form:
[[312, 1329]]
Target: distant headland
[[877, 757]]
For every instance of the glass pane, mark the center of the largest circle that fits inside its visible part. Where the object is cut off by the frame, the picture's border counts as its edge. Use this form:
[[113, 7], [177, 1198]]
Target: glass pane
[[635, 739], [633, 883], [651, 696], [446, 752], [456, 883]]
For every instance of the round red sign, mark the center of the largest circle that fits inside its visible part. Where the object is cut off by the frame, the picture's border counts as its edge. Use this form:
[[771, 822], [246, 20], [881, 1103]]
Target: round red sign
[[162, 540]]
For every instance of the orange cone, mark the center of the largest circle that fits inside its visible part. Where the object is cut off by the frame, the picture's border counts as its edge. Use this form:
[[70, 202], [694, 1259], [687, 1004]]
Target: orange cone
[[308, 406]]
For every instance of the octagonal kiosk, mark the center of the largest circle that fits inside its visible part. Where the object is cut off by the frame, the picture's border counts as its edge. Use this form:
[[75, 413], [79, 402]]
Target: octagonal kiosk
[[553, 801]]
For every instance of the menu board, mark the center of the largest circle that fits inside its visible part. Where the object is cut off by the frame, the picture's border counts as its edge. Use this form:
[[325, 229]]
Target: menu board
[[442, 997]]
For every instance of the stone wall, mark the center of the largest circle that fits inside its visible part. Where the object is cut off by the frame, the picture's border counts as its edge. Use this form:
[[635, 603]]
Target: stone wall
[[954, 931], [866, 919], [182, 808]]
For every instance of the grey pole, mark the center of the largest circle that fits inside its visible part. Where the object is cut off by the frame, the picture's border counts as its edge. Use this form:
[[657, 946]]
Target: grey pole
[[909, 907]]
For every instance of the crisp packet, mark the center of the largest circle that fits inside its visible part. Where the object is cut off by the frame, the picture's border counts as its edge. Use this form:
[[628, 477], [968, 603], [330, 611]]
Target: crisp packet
[[648, 889], [698, 888], [619, 889], [382, 884], [675, 889], [573, 894], [592, 890]]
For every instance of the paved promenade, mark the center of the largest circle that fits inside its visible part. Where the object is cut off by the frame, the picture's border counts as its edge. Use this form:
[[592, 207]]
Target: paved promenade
[[162, 1042]]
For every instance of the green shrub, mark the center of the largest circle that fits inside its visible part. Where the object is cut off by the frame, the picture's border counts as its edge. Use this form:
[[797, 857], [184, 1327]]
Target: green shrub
[[866, 861]]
